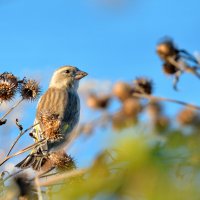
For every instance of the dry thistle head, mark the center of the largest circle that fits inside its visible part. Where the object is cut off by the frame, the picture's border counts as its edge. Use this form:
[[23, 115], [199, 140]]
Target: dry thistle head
[[24, 186], [121, 121], [131, 107], [98, 102], [59, 160], [51, 125], [30, 89], [122, 90], [169, 69], [8, 86], [187, 117], [143, 86], [166, 48], [161, 123]]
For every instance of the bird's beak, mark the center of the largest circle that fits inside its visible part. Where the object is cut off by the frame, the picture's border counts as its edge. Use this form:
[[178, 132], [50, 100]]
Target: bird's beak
[[80, 74]]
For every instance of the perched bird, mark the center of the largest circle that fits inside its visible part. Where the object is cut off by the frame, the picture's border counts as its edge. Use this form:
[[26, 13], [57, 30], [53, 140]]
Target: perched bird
[[57, 113]]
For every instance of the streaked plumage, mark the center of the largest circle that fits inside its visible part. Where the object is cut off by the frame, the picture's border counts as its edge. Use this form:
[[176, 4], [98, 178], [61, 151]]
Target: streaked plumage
[[61, 101]]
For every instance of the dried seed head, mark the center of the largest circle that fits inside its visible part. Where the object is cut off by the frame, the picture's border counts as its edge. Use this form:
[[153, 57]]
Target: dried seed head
[[122, 90], [161, 123], [8, 86], [51, 126], [187, 117], [166, 48], [143, 86], [154, 109], [132, 107], [24, 186], [169, 69], [121, 121], [98, 102], [30, 89], [59, 160]]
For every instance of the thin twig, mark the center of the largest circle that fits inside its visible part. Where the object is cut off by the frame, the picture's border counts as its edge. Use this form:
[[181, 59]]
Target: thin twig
[[23, 151], [61, 177], [150, 97], [11, 109], [11, 175], [19, 136]]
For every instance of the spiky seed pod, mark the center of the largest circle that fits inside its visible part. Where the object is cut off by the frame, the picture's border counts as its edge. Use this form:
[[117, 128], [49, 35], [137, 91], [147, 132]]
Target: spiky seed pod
[[59, 160], [166, 49], [51, 124], [122, 90], [143, 86], [187, 117], [8, 86], [98, 102], [30, 89], [24, 186], [169, 69], [154, 109], [131, 107]]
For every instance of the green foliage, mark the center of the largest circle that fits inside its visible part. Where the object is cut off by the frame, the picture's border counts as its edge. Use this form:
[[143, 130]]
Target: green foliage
[[137, 168]]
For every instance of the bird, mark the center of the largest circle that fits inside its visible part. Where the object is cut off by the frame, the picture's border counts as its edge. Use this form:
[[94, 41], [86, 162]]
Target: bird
[[57, 115]]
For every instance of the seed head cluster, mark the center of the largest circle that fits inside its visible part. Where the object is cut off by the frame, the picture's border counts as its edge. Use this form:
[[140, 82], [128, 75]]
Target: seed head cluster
[[8, 86], [59, 160], [30, 89]]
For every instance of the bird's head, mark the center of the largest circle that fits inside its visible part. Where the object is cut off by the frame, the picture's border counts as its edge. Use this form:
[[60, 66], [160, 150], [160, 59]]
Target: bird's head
[[67, 77]]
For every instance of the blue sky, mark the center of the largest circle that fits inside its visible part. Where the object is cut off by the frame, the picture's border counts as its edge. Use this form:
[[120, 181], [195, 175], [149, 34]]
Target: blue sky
[[110, 43]]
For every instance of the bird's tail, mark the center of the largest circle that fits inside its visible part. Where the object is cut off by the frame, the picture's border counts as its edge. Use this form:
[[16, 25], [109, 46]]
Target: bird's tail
[[35, 160]]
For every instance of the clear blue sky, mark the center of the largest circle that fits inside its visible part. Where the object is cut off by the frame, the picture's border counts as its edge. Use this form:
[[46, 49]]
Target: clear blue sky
[[108, 42]]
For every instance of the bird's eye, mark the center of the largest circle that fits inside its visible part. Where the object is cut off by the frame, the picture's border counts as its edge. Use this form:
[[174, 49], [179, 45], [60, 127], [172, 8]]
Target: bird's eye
[[67, 71]]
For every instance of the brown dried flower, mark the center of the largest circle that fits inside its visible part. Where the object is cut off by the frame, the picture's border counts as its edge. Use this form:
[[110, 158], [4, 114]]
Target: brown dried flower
[[98, 102], [132, 107], [121, 121], [143, 86], [51, 124], [8, 86], [161, 123], [30, 89], [187, 117], [122, 90], [59, 160], [169, 69], [166, 49]]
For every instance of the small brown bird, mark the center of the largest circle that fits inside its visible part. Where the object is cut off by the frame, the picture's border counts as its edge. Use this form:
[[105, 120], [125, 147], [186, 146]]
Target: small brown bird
[[57, 114]]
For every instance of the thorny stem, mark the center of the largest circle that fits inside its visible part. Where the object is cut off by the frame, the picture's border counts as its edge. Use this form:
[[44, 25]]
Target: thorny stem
[[57, 178], [23, 151], [11, 109], [19, 136], [150, 97]]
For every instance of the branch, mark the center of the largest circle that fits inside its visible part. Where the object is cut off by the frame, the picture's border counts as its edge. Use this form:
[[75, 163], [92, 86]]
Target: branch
[[11, 109], [20, 135], [23, 151], [57, 178], [150, 97]]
